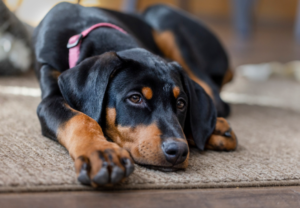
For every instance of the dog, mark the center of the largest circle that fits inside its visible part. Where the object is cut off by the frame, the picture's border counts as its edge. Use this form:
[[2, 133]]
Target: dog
[[119, 89]]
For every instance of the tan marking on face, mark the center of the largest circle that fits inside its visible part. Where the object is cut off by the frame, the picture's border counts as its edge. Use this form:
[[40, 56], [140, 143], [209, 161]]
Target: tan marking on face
[[147, 92], [143, 142], [111, 129], [219, 142], [176, 92], [167, 44]]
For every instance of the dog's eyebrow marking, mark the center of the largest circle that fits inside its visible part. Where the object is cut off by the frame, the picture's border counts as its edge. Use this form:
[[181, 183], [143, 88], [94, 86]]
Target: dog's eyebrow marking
[[147, 92], [176, 91]]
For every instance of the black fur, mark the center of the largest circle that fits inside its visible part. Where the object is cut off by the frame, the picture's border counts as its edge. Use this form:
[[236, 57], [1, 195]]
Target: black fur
[[113, 64], [200, 48]]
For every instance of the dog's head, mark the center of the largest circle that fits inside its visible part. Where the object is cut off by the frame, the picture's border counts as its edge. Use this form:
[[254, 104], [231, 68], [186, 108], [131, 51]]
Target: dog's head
[[143, 103]]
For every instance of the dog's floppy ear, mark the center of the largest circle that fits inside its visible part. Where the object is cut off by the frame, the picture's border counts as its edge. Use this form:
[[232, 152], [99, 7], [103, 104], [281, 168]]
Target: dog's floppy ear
[[84, 86], [201, 115]]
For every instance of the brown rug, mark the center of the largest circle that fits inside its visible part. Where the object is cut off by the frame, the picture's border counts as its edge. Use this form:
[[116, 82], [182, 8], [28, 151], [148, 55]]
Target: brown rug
[[268, 154]]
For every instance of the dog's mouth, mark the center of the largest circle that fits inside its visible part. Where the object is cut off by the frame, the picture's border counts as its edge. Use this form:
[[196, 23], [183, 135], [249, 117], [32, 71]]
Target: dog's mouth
[[161, 168]]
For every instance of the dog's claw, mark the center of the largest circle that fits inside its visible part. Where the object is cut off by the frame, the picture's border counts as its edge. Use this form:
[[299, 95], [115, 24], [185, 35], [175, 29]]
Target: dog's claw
[[102, 176], [129, 167], [83, 176], [116, 175], [228, 133], [104, 167]]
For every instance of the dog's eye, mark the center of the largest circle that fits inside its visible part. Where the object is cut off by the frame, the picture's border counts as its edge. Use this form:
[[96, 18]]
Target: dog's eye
[[135, 99], [180, 104]]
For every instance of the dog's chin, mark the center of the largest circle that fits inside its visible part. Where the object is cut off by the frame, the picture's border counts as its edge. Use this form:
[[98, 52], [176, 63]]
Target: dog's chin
[[161, 168]]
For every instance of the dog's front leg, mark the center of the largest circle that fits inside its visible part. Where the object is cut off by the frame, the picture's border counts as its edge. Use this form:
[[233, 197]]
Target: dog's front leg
[[97, 161]]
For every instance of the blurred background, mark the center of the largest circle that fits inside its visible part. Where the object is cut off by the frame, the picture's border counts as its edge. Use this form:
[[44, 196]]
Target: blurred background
[[253, 31], [262, 38]]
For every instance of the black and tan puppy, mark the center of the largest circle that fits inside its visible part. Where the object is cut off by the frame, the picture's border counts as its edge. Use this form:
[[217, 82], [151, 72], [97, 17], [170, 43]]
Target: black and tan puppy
[[127, 99]]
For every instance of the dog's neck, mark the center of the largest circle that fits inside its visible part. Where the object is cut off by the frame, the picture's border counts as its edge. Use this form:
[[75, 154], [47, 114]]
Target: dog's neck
[[103, 40]]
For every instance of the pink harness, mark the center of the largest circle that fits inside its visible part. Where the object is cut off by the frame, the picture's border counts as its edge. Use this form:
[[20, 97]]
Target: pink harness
[[75, 41]]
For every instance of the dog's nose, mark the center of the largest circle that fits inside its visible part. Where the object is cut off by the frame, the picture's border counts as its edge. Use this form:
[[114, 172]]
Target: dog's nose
[[175, 152]]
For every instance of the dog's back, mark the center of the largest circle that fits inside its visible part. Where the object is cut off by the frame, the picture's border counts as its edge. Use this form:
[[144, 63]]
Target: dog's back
[[65, 20]]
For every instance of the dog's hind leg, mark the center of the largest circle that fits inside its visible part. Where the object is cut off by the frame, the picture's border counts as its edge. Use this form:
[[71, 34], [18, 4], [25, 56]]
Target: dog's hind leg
[[223, 138]]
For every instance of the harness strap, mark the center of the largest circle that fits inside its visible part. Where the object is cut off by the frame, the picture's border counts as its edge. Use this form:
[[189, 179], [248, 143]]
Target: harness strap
[[74, 42]]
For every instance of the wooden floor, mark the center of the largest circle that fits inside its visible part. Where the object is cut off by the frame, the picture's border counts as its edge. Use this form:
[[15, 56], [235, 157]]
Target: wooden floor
[[235, 197], [267, 44]]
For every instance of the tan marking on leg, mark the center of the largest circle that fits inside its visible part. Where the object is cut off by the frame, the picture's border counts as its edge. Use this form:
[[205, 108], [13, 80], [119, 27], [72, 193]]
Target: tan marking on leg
[[167, 44], [221, 125], [70, 108], [147, 92], [56, 74], [176, 92], [218, 140], [227, 77], [81, 135], [83, 138]]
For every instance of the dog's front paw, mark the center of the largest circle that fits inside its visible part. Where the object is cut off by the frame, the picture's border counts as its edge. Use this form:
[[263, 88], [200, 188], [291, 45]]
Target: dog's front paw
[[223, 138], [105, 166]]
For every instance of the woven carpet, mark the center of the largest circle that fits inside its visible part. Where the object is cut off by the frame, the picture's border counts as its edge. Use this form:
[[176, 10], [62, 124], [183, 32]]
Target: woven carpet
[[268, 153]]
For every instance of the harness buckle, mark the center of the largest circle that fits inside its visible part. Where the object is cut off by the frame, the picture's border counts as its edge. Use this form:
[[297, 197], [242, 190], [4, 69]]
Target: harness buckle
[[74, 41]]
